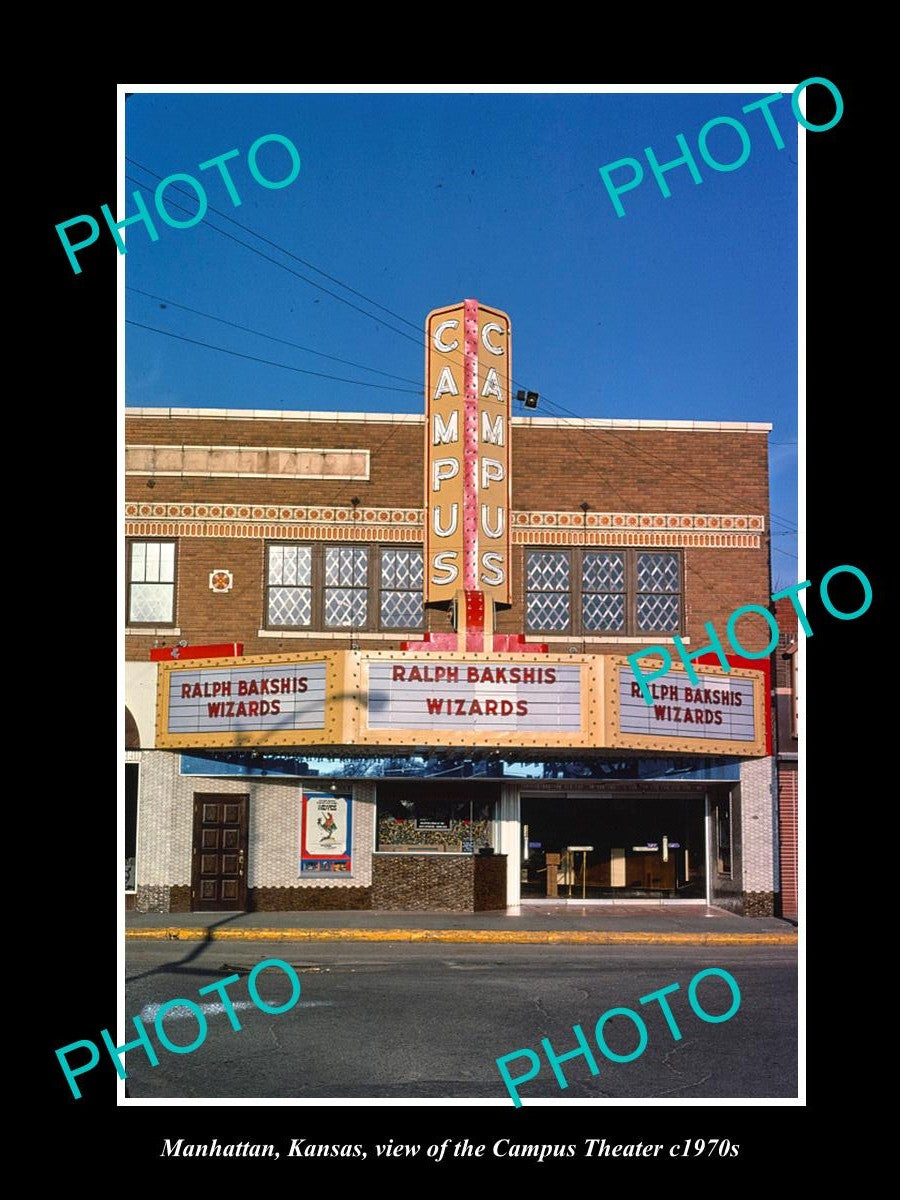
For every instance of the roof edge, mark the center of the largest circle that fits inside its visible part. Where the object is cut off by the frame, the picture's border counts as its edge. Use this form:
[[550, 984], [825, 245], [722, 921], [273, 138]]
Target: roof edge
[[266, 414]]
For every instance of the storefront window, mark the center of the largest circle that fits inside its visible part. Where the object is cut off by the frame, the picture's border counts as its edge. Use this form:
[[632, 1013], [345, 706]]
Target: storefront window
[[640, 846], [413, 819], [723, 836]]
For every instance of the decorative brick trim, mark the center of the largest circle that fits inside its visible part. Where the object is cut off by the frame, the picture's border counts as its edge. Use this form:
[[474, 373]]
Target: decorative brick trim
[[624, 521], [740, 531], [329, 514], [630, 537], [247, 462]]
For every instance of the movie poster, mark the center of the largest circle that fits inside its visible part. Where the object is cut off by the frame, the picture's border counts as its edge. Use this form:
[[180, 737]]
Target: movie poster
[[325, 845]]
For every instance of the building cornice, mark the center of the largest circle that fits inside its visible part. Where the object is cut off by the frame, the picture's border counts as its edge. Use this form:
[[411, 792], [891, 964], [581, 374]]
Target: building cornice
[[274, 414]]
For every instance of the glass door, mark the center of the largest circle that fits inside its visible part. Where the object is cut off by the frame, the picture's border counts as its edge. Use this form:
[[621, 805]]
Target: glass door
[[628, 847]]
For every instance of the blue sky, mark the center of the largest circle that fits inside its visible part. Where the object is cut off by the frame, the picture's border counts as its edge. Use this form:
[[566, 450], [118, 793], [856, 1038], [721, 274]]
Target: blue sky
[[684, 309]]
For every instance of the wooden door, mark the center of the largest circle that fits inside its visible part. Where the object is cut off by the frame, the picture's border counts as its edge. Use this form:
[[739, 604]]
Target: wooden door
[[218, 862]]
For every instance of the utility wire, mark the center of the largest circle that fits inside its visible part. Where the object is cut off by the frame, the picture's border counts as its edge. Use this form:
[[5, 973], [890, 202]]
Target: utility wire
[[165, 301], [268, 362], [283, 266], [418, 340], [289, 253]]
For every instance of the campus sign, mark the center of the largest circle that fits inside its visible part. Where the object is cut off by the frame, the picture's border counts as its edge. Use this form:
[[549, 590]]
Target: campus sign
[[467, 462]]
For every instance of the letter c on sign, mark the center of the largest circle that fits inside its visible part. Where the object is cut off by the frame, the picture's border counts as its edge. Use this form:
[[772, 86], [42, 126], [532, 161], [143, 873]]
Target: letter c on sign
[[439, 343], [485, 340]]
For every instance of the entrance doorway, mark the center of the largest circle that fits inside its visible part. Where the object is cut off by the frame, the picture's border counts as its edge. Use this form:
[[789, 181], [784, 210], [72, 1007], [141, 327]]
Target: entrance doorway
[[218, 861], [614, 848]]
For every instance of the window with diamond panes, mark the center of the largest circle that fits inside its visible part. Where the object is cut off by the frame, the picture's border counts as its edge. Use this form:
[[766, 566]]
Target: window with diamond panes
[[402, 579], [658, 593], [548, 603], [346, 586], [603, 592], [289, 586], [151, 583]]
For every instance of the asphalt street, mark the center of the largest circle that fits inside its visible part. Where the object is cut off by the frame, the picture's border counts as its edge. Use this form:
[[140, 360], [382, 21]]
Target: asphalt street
[[395, 1020]]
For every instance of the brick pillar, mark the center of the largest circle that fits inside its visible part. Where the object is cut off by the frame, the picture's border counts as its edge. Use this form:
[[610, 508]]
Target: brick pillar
[[787, 837]]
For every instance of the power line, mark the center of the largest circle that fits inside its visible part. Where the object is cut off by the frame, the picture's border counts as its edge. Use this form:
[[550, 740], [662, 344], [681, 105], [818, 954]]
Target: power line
[[268, 362], [277, 246], [418, 340], [283, 266], [347, 287], [164, 300]]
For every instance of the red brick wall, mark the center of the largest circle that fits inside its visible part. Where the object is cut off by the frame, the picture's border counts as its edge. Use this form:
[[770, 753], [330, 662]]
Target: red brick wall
[[787, 832], [553, 469], [618, 470]]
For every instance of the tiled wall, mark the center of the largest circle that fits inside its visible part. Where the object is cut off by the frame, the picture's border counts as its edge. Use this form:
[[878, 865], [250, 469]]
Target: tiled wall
[[759, 850], [165, 831], [439, 882]]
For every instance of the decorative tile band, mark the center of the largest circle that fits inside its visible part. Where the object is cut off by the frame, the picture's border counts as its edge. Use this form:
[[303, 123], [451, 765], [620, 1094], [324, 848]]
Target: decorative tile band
[[331, 514], [323, 513], [634, 537], [735, 522], [332, 532]]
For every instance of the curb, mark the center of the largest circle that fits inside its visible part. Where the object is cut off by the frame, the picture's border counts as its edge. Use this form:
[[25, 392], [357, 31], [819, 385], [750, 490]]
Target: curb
[[486, 936]]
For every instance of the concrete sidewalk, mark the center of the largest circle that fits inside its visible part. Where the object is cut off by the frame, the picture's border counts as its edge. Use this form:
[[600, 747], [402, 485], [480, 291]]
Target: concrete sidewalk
[[625, 924]]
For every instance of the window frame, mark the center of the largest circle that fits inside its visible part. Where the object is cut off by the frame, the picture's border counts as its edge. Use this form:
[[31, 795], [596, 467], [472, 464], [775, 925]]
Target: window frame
[[576, 627], [317, 585], [377, 589], [130, 543], [724, 846], [324, 547]]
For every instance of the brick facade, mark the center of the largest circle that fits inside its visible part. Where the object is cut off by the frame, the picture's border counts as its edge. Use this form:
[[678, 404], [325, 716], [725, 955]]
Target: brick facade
[[222, 485], [716, 481], [165, 836]]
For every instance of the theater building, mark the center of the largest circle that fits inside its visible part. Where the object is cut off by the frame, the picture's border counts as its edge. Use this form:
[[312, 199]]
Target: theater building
[[381, 661]]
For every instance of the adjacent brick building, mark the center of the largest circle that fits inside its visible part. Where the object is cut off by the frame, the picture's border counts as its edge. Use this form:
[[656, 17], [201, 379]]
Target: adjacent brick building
[[298, 537], [786, 722]]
